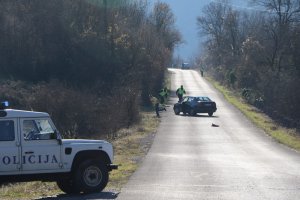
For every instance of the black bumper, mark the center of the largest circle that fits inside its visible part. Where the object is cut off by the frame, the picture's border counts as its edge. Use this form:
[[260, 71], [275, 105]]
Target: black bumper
[[112, 167]]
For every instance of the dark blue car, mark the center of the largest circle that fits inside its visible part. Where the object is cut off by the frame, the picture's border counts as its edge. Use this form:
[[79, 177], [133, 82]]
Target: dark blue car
[[195, 104]]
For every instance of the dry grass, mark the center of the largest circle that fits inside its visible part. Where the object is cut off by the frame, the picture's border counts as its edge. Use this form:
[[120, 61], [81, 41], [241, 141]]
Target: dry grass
[[130, 147], [28, 190]]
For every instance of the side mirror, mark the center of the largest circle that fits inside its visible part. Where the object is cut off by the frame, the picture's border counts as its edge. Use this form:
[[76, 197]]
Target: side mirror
[[57, 136], [53, 136]]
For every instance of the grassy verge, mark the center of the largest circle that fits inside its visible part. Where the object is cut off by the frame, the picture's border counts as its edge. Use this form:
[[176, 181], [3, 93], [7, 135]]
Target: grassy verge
[[28, 190], [130, 147], [283, 135]]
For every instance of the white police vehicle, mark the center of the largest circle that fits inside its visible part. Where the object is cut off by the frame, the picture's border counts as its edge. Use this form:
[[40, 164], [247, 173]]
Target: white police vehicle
[[31, 149]]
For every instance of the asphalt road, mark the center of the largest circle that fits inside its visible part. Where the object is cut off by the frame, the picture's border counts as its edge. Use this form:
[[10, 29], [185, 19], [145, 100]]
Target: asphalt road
[[190, 159]]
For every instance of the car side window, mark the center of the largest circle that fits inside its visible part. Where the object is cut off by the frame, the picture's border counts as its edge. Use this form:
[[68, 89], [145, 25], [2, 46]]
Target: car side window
[[185, 99], [38, 129], [190, 99], [7, 130]]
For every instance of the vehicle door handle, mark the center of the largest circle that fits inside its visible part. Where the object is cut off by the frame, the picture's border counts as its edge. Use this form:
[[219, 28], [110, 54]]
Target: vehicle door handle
[[29, 152]]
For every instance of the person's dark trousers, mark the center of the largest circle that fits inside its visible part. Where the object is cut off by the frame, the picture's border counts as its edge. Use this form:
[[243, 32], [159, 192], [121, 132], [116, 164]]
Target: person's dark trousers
[[180, 97], [157, 109]]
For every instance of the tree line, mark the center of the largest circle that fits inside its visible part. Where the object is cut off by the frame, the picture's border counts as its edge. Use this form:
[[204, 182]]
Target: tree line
[[256, 52], [89, 63]]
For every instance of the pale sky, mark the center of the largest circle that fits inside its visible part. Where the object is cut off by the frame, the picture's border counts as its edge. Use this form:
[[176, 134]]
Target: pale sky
[[186, 13]]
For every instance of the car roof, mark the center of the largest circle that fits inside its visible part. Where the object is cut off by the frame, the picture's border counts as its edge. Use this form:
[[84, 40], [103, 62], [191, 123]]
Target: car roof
[[12, 113], [198, 96], [201, 98]]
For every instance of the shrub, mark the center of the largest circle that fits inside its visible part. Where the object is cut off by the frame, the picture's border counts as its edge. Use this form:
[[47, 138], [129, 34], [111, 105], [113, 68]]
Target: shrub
[[76, 113]]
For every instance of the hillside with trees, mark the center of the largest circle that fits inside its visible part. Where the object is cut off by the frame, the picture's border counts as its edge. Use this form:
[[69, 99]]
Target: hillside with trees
[[256, 52], [90, 64]]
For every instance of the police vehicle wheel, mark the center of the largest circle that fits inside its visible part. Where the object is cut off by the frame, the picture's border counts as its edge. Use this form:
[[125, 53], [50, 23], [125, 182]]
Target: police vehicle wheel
[[67, 186], [91, 176], [210, 114]]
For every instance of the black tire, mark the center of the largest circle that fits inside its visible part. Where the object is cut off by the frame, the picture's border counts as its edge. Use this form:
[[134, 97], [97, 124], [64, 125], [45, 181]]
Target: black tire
[[91, 176], [210, 114], [176, 111], [192, 112], [67, 186]]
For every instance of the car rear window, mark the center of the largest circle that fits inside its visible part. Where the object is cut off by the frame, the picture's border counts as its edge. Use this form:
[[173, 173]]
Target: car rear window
[[203, 99]]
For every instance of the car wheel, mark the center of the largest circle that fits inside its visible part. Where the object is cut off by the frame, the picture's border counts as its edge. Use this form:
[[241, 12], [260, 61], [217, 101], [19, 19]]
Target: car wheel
[[192, 112], [210, 114], [176, 111], [91, 176], [67, 186]]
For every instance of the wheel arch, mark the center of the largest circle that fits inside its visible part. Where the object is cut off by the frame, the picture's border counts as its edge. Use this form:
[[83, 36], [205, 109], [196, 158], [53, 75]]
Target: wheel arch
[[90, 154], [177, 105]]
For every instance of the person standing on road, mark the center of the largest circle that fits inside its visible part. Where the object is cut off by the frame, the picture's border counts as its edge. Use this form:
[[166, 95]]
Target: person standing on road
[[180, 92], [202, 72], [163, 95]]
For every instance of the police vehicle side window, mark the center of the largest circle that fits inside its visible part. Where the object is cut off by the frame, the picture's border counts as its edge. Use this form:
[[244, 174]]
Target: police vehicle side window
[[39, 129], [7, 130]]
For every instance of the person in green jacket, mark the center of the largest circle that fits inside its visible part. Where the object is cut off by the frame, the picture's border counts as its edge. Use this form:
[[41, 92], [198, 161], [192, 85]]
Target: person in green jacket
[[180, 92], [163, 95]]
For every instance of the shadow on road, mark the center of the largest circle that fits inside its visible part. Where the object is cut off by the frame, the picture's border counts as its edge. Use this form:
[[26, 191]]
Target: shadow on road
[[204, 116], [102, 195]]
